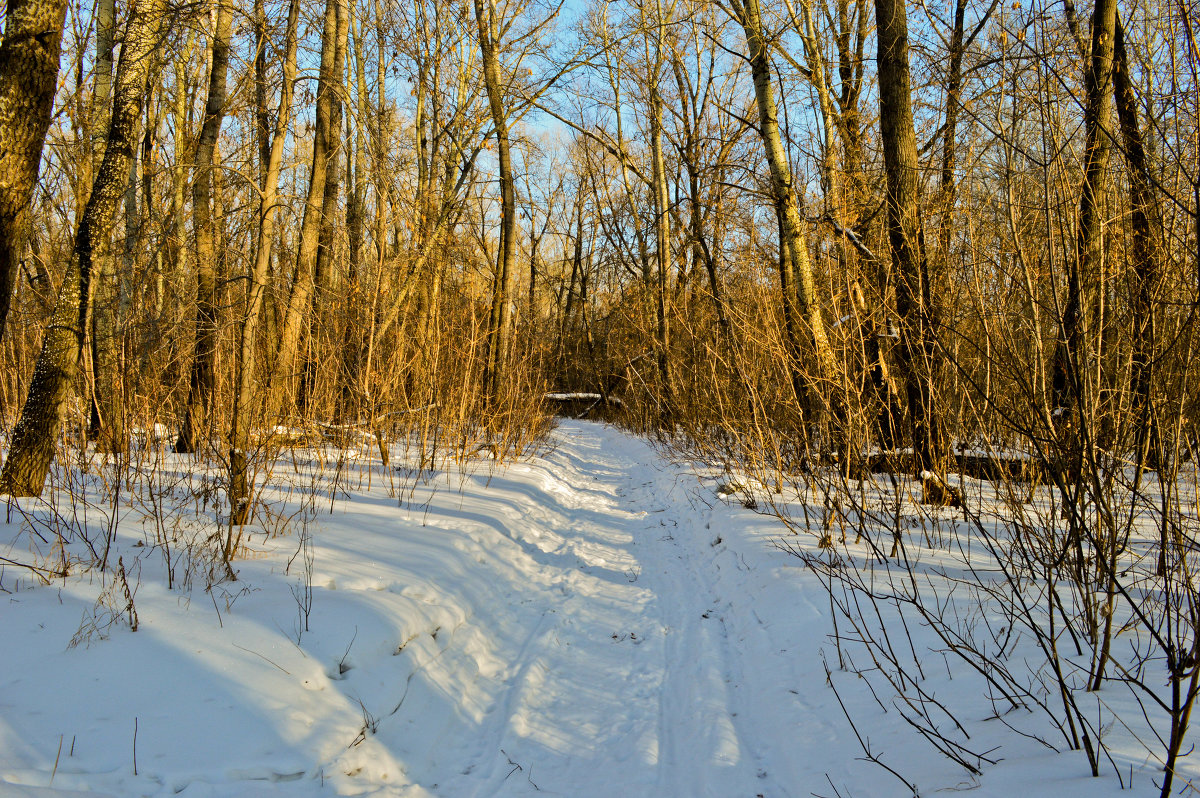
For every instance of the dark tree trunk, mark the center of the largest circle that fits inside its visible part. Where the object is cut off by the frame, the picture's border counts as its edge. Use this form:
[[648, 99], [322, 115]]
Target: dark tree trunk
[[262, 119], [196, 421], [1073, 351], [916, 354], [1146, 250], [500, 320]]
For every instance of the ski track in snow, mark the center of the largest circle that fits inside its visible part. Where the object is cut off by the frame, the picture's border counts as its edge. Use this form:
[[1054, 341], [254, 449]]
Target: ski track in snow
[[661, 700]]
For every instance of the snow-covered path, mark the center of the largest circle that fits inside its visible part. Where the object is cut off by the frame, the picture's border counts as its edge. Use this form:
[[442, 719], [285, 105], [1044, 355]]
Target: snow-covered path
[[576, 625], [621, 672], [592, 622]]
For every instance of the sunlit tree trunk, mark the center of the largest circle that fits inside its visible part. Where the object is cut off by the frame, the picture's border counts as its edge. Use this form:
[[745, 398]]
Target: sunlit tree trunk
[[803, 320], [246, 370], [57, 367], [29, 58], [356, 192], [325, 139], [662, 201], [107, 423], [178, 247], [323, 268]]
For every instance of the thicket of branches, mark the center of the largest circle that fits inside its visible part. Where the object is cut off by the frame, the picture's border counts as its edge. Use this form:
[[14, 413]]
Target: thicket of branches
[[822, 238]]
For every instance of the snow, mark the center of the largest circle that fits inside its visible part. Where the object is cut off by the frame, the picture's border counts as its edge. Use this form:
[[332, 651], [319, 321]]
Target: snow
[[592, 621]]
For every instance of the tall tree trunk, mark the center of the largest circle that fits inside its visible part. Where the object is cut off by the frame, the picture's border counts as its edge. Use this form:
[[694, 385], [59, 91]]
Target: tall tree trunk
[[1074, 351], [500, 320], [101, 365], [196, 421], [803, 321], [102, 81], [846, 198], [948, 186], [324, 141], [57, 366], [178, 247], [29, 58], [662, 201], [1146, 250], [154, 281], [379, 145], [107, 425], [916, 354], [356, 190], [245, 369], [662, 229], [323, 270], [262, 119]]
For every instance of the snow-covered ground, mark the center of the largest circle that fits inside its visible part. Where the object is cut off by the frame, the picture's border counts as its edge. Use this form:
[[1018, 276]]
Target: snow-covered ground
[[594, 621]]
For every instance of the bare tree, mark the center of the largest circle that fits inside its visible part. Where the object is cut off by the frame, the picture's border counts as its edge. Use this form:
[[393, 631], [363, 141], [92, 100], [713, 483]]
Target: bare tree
[[200, 394], [325, 140], [500, 322], [1075, 351], [914, 301], [1146, 251], [106, 424], [34, 437], [803, 319], [246, 369]]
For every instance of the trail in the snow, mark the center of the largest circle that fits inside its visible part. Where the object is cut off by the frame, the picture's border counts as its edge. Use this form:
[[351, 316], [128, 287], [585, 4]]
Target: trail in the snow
[[631, 674], [592, 622]]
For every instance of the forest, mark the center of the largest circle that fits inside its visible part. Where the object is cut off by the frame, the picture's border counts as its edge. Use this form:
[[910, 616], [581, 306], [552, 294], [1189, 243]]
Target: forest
[[884, 264]]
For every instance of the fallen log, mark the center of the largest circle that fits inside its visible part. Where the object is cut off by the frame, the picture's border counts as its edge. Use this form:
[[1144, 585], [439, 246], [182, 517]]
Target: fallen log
[[585, 405]]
